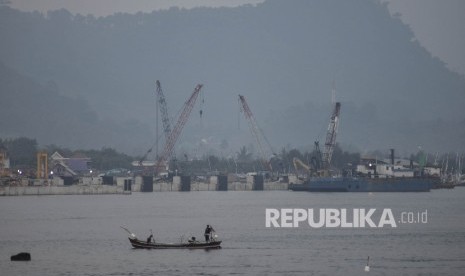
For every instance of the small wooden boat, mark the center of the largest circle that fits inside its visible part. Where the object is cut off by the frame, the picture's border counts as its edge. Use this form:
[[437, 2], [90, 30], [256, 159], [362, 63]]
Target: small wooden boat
[[191, 244]]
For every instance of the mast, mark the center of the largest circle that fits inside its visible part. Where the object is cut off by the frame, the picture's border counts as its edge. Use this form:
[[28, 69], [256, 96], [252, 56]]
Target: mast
[[330, 142], [257, 132], [174, 134]]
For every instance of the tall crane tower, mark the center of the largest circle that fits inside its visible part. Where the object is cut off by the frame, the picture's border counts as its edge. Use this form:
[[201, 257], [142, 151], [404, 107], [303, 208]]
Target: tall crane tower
[[161, 102], [257, 132], [164, 112], [317, 159], [174, 134], [330, 142]]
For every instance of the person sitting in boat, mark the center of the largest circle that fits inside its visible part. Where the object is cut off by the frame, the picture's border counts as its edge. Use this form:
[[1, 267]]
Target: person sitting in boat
[[192, 240], [208, 232], [149, 239]]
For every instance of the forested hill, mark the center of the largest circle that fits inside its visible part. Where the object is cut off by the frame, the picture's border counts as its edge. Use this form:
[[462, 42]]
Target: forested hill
[[282, 55], [34, 110]]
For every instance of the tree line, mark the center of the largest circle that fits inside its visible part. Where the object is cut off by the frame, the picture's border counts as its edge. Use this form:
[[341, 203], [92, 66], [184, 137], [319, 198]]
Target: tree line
[[22, 154]]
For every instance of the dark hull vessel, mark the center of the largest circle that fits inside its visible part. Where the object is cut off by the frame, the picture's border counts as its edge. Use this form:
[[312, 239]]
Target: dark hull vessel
[[353, 184], [189, 245]]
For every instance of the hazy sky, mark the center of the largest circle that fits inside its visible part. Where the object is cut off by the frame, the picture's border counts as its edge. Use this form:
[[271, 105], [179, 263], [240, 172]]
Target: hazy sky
[[438, 24]]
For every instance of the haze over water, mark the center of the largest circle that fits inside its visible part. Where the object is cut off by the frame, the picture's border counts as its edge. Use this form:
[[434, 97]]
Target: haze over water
[[81, 235]]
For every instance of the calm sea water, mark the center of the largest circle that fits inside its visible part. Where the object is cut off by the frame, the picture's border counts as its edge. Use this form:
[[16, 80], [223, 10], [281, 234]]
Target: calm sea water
[[81, 235]]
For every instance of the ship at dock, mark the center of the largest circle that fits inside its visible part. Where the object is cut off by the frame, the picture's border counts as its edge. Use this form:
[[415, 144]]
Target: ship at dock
[[373, 175], [370, 175]]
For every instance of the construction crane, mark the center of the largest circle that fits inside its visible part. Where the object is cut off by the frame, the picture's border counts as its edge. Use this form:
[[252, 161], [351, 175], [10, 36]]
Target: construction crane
[[174, 134], [330, 142], [299, 163], [314, 168], [316, 160], [257, 132], [164, 112], [161, 102]]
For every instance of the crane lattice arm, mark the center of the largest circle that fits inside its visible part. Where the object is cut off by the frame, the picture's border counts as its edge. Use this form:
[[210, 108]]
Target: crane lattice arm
[[164, 114], [165, 119], [317, 159], [257, 132], [174, 134], [331, 136], [164, 111]]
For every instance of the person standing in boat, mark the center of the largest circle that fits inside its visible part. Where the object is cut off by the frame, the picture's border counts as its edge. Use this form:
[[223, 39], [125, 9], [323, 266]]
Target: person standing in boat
[[150, 238], [208, 232]]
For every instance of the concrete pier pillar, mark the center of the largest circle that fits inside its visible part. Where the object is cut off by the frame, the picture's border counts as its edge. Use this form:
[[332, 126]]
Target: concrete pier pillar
[[258, 181], [127, 184], [147, 184], [185, 183], [222, 183]]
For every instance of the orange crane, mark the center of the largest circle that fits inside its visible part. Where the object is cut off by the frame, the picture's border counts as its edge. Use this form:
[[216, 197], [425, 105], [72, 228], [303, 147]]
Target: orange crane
[[164, 113], [257, 132], [174, 134]]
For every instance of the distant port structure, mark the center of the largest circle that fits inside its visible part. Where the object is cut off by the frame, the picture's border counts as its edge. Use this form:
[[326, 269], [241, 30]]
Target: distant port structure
[[57, 174]]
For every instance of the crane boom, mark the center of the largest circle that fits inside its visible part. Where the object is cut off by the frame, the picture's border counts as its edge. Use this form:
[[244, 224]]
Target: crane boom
[[331, 136], [257, 132], [174, 134], [165, 119], [164, 111], [164, 114], [317, 159]]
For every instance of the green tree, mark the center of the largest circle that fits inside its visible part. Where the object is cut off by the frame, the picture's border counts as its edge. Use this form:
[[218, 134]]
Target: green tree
[[341, 159], [108, 158], [51, 149], [243, 155]]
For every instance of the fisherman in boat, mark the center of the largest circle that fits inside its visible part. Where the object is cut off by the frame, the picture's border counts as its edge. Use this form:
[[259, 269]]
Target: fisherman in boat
[[208, 232], [149, 239], [192, 240]]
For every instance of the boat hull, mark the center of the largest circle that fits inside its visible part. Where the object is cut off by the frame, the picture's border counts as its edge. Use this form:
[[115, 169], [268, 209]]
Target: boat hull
[[348, 184], [197, 245]]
